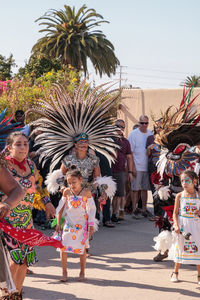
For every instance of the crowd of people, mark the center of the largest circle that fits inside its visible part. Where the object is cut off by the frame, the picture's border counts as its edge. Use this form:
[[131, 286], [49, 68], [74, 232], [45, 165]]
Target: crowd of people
[[100, 173]]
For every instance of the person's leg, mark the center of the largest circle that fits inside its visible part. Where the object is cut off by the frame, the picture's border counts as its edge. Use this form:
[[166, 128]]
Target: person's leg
[[82, 266], [139, 204], [18, 274], [106, 214], [144, 200], [198, 274], [145, 186], [63, 256], [134, 197], [121, 208], [174, 276], [115, 205]]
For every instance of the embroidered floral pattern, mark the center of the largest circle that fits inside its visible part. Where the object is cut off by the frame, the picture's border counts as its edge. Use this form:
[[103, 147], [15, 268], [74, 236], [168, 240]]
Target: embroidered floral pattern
[[75, 202]]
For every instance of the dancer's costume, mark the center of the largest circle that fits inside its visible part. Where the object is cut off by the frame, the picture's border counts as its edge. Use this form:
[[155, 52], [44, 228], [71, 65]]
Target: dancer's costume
[[6, 282], [65, 120], [79, 213], [21, 217], [174, 153], [187, 251]]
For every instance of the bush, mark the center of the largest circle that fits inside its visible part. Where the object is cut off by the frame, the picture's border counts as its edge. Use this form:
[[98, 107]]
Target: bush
[[24, 93]]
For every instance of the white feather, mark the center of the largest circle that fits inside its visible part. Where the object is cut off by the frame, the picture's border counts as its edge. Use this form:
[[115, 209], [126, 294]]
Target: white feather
[[109, 182], [162, 162], [164, 193], [164, 241], [197, 168], [53, 181], [96, 225]]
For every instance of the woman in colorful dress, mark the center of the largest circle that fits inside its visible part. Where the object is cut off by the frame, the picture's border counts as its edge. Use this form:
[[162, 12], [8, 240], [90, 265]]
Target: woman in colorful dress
[[14, 194], [79, 213], [26, 174]]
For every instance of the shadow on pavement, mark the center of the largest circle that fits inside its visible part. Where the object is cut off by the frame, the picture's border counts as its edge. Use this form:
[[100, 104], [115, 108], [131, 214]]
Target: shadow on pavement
[[35, 294]]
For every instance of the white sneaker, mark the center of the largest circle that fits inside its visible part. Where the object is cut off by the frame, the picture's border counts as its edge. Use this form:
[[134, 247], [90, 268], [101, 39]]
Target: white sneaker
[[174, 278]]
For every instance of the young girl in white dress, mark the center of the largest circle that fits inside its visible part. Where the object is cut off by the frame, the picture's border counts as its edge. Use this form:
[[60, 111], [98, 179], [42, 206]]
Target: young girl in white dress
[[186, 218], [78, 208]]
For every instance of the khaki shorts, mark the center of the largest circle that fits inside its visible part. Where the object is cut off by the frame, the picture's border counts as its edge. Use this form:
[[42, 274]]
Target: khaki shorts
[[120, 179], [140, 182]]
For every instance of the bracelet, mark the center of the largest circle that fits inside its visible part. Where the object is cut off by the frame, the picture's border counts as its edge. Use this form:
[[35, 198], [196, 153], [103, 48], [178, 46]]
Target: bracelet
[[46, 200], [7, 205], [130, 172]]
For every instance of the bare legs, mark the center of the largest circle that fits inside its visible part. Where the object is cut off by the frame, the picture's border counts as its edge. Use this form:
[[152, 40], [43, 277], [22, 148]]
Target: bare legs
[[122, 202], [176, 269], [144, 200], [198, 270], [135, 199], [115, 205], [63, 256], [18, 274], [82, 266]]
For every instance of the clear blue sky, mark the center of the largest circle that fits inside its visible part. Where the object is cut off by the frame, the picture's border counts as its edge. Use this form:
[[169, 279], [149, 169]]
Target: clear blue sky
[[156, 41]]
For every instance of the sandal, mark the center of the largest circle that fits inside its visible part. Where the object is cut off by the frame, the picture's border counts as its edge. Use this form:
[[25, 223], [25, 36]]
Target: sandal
[[198, 279], [160, 257], [108, 224], [174, 279], [29, 272]]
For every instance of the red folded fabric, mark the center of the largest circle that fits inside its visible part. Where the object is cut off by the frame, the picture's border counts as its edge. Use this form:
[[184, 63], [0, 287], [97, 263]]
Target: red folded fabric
[[30, 237], [21, 164]]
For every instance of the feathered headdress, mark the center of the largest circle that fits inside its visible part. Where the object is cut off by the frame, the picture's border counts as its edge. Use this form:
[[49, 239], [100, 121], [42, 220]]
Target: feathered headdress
[[179, 125], [179, 131], [65, 117]]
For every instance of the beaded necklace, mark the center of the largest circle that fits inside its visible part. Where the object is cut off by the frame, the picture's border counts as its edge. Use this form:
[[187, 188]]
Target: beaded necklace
[[76, 196]]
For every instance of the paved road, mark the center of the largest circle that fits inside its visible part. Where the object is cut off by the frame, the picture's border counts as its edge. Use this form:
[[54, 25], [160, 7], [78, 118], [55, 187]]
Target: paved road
[[121, 268]]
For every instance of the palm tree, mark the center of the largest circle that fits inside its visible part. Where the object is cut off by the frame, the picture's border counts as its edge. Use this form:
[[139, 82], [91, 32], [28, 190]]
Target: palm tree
[[193, 80], [72, 37]]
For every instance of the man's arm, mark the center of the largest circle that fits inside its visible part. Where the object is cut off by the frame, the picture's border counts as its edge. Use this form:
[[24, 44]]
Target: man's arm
[[131, 166]]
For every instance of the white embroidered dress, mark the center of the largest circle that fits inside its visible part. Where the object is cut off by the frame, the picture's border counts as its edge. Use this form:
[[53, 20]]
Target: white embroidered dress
[[79, 213], [188, 251]]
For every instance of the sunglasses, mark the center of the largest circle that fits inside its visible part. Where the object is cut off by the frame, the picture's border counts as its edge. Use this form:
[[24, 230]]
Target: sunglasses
[[119, 126], [144, 123]]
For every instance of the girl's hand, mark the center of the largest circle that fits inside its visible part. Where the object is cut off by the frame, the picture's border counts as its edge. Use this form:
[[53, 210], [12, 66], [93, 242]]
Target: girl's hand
[[91, 231], [177, 229], [58, 228], [197, 212], [50, 210], [4, 210]]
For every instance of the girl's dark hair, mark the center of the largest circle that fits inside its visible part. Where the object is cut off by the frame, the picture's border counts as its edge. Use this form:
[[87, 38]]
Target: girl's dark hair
[[192, 175], [10, 138], [74, 173]]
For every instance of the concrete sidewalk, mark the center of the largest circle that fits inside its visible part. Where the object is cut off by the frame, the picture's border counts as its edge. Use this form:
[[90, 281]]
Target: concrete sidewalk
[[121, 268]]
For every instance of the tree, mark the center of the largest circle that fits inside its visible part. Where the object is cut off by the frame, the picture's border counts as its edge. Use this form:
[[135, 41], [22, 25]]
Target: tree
[[192, 80], [5, 67], [72, 37], [38, 65]]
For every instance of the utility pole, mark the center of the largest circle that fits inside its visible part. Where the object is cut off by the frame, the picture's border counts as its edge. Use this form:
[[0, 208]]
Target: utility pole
[[120, 75]]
